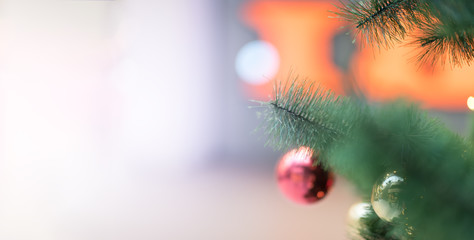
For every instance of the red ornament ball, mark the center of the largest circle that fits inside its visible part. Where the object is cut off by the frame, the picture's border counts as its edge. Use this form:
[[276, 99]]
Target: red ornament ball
[[299, 180]]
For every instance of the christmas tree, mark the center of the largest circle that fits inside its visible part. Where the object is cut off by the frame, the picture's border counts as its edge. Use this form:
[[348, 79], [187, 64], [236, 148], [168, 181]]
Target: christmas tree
[[417, 175]]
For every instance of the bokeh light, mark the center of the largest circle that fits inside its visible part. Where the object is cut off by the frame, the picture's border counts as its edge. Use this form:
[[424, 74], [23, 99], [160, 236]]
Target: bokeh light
[[470, 103], [257, 62]]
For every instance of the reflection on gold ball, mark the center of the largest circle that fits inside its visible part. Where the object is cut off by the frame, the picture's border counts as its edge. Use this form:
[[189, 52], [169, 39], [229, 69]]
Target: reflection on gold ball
[[356, 212], [385, 197]]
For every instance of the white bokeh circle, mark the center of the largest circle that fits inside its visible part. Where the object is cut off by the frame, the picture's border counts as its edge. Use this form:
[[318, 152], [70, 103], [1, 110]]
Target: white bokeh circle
[[470, 103], [257, 62]]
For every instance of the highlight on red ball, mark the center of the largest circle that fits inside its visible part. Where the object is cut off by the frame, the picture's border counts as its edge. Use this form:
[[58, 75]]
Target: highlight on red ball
[[299, 180]]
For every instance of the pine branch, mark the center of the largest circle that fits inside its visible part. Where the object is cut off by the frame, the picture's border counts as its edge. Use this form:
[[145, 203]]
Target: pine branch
[[363, 143], [440, 45], [382, 22], [447, 26], [441, 42], [459, 11], [302, 114]]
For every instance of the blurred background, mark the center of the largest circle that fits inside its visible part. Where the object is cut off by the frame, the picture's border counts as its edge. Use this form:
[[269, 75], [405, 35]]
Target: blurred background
[[130, 119]]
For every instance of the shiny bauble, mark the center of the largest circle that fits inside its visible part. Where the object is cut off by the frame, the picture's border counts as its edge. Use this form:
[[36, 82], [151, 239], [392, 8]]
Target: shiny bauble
[[299, 180], [386, 197], [356, 212]]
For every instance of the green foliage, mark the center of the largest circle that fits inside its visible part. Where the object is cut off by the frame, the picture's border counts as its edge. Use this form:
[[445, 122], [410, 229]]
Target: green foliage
[[362, 143], [374, 228], [442, 29], [381, 22], [305, 115], [442, 41], [471, 128]]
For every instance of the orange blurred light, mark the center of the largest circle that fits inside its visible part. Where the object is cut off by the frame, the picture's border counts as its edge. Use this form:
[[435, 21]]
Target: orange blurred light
[[320, 194], [393, 73], [302, 34]]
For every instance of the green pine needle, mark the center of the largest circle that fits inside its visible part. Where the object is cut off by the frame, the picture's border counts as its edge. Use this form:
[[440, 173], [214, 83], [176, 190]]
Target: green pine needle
[[302, 114], [446, 26], [382, 22], [441, 43], [363, 143]]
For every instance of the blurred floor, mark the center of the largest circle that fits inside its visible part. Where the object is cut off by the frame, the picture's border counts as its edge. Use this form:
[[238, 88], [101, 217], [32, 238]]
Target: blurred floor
[[209, 204], [249, 206]]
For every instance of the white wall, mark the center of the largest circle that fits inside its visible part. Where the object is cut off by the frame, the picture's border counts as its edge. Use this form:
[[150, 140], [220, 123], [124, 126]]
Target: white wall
[[98, 98]]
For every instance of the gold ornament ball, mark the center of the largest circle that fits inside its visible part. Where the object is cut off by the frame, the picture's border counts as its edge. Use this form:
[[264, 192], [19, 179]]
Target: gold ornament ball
[[356, 212], [385, 197]]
